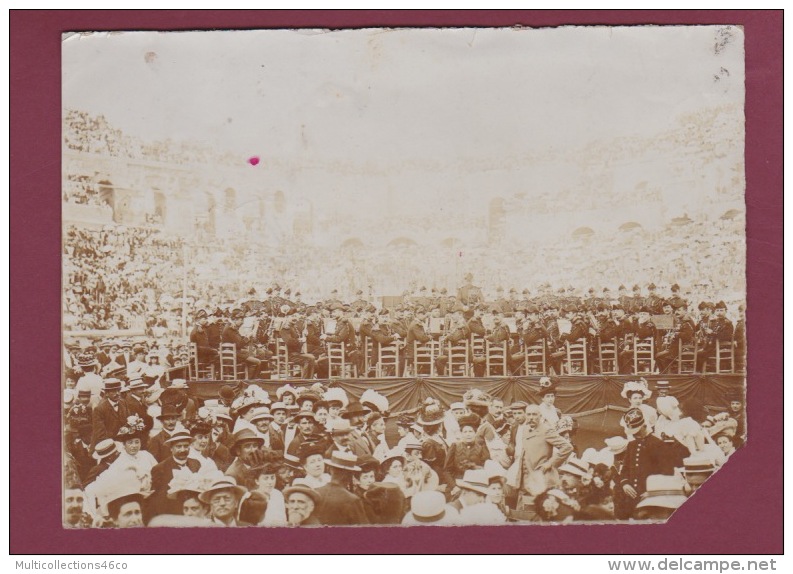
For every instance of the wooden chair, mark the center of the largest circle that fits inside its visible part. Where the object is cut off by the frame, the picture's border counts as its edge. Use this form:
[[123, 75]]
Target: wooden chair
[[424, 355], [575, 363], [283, 368], [686, 357], [199, 371], [496, 359], [535, 361], [644, 356], [459, 359], [230, 369], [338, 366], [608, 363], [387, 361], [724, 359], [367, 345]]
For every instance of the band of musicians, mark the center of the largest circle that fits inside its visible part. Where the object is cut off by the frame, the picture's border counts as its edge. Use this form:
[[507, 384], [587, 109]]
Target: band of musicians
[[549, 333]]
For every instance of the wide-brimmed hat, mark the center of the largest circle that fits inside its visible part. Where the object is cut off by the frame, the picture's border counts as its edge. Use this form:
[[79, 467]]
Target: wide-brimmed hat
[[666, 405], [261, 413], [475, 397], [494, 470], [469, 420], [338, 427], [396, 453], [698, 464], [338, 395], [663, 491], [343, 461], [310, 448], [304, 415], [245, 435], [430, 415], [298, 485], [224, 483], [427, 507], [227, 393], [179, 436], [617, 444], [292, 461], [378, 401], [308, 395], [86, 360], [546, 386], [575, 466], [104, 449], [476, 480], [126, 433], [636, 387], [727, 427], [279, 406], [111, 385], [135, 384], [280, 391], [355, 409]]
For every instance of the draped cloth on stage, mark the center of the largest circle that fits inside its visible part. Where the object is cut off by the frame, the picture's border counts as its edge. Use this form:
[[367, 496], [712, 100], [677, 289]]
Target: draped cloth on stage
[[575, 395]]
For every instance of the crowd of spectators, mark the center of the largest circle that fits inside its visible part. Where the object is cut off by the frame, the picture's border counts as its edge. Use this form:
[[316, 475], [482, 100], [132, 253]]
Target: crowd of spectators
[[140, 455]]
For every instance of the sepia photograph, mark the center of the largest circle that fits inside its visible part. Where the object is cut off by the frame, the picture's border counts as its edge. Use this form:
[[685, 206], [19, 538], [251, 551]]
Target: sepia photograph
[[400, 276]]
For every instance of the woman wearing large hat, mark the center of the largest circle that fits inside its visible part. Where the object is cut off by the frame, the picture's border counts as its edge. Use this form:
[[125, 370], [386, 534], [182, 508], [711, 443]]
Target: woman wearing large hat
[[132, 459], [433, 446], [468, 453], [547, 393], [636, 393]]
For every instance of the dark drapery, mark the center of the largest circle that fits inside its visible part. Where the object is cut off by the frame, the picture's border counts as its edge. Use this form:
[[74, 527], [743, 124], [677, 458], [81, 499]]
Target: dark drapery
[[576, 394]]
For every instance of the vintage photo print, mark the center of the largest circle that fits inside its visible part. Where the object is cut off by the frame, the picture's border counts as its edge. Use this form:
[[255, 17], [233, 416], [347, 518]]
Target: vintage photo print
[[425, 276]]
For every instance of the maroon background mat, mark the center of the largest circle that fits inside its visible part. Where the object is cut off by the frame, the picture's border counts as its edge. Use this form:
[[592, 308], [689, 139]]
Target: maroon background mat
[[739, 511]]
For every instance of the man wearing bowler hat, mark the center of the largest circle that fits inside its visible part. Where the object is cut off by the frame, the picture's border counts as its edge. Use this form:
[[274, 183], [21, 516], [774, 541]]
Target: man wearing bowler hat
[[340, 507], [162, 473], [110, 414], [169, 418]]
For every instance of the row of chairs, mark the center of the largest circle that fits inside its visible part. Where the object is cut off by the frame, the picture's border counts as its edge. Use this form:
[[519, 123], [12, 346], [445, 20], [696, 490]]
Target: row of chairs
[[389, 360]]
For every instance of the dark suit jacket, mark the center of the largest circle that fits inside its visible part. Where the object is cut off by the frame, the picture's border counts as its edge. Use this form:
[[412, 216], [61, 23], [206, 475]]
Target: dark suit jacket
[[339, 507], [106, 420], [161, 475]]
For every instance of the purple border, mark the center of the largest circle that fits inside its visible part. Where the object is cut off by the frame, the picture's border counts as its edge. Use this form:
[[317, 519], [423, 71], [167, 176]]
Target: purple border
[[739, 512]]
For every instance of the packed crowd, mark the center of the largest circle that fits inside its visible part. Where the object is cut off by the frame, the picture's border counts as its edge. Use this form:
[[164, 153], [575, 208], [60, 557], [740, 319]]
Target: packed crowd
[[143, 455]]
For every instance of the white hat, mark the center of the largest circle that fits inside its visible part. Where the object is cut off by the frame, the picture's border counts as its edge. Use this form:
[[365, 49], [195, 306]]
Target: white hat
[[476, 480]]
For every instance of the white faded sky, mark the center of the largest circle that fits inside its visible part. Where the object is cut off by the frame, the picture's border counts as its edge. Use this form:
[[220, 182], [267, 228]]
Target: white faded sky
[[380, 98]]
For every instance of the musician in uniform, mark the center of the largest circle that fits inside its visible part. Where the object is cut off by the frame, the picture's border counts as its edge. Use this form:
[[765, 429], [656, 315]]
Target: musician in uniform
[[676, 300], [416, 334], [294, 341], [459, 332], [245, 354], [469, 294], [200, 336], [719, 330], [654, 301], [739, 336], [345, 333]]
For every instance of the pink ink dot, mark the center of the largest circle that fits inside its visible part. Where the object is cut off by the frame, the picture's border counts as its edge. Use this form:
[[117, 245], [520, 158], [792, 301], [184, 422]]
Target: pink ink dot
[[254, 160]]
